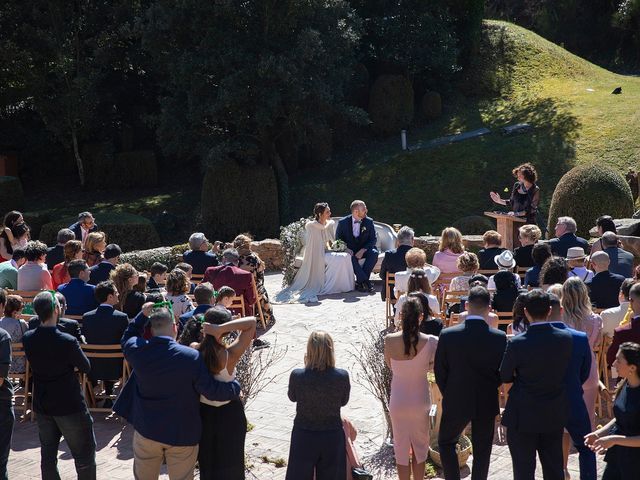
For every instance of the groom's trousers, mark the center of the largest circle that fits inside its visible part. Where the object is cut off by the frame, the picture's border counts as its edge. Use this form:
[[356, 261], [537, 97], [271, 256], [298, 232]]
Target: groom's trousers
[[364, 272]]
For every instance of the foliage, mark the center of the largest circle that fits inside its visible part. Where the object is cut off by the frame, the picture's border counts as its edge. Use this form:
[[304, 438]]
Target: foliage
[[143, 259], [291, 241], [253, 369], [468, 15], [391, 104], [589, 191], [473, 225], [11, 194], [431, 105]]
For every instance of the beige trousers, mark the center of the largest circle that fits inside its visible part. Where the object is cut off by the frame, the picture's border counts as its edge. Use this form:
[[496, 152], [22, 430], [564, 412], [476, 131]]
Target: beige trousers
[[149, 454]]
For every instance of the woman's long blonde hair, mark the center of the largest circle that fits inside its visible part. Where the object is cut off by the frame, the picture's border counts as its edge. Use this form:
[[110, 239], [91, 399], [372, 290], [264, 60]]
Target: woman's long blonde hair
[[575, 302], [320, 351], [120, 277], [451, 238]]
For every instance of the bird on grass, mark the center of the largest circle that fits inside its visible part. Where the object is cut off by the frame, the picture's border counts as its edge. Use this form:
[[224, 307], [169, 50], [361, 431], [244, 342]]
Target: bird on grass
[[617, 91]]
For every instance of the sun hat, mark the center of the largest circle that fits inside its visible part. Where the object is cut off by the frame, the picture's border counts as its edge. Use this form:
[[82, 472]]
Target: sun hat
[[575, 253], [505, 259]]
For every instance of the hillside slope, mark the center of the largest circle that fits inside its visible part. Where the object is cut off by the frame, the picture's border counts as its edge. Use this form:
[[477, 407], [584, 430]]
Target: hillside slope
[[518, 76]]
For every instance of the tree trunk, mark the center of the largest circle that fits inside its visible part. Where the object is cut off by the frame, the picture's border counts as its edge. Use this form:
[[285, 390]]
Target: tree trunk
[[76, 154], [282, 179]]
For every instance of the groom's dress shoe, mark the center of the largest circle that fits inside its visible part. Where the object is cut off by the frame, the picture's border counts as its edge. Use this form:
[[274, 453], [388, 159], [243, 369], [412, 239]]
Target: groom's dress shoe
[[368, 286]]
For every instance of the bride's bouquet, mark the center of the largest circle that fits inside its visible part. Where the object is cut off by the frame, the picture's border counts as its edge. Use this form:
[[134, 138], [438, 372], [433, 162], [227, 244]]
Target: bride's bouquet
[[337, 246]]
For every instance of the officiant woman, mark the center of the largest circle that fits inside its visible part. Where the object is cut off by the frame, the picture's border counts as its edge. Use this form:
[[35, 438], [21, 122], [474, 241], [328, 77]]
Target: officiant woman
[[525, 194]]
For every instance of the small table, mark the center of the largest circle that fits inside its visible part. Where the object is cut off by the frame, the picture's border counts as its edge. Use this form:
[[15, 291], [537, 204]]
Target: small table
[[506, 224]]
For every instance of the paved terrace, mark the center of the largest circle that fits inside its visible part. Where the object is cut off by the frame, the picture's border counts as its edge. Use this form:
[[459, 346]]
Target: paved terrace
[[271, 413]]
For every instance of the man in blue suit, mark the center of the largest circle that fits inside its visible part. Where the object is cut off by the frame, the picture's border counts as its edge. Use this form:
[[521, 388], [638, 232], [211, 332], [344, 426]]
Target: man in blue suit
[[359, 233], [578, 371], [604, 287], [84, 226], [162, 397], [79, 294], [566, 237]]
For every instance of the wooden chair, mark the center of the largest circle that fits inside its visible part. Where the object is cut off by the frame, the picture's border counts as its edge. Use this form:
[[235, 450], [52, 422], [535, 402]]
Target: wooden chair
[[237, 304], [390, 282], [258, 306], [23, 392], [488, 273], [451, 297], [27, 295], [442, 283], [197, 278], [102, 351], [604, 399], [454, 319], [598, 310], [521, 271], [504, 318]]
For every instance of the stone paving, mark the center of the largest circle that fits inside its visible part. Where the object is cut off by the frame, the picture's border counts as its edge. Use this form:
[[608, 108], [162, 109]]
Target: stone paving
[[271, 413]]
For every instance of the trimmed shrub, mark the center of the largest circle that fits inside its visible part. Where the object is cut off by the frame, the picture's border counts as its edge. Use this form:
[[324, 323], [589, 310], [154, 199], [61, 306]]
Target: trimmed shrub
[[431, 105], [238, 199], [473, 225], [143, 259], [588, 191], [391, 104], [131, 232], [36, 220], [11, 194]]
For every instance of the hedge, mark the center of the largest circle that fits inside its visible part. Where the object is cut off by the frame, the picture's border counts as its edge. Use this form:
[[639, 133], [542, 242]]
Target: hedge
[[143, 259], [11, 194], [391, 104], [473, 225]]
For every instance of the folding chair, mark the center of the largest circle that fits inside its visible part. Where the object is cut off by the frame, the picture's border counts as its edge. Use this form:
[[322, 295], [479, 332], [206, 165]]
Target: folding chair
[[237, 305], [390, 282], [93, 351], [504, 319], [23, 392], [451, 297], [258, 305]]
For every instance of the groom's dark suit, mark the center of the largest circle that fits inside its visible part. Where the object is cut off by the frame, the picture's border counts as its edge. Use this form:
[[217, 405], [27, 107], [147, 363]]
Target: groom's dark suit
[[367, 240]]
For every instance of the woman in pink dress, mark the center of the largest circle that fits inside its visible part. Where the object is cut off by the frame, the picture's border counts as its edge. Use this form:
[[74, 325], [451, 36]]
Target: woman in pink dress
[[410, 354], [450, 249]]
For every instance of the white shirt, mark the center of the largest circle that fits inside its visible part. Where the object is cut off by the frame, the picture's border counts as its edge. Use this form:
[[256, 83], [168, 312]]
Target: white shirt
[[355, 224], [611, 318], [434, 305], [581, 272]]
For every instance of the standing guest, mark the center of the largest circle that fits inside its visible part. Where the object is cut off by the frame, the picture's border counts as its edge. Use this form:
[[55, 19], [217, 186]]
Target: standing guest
[[555, 270], [251, 262], [84, 226], [167, 381], [319, 390], [14, 326], [7, 417], [604, 224], [605, 285], [94, 244], [578, 373], [575, 258], [34, 275], [410, 354], [57, 398], [80, 295], [203, 295], [177, 290], [525, 194], [566, 237], [491, 241], [157, 276], [415, 258], [9, 270], [65, 325], [528, 235], [105, 326], [199, 256], [505, 263], [60, 273], [464, 401], [620, 438], [449, 250], [231, 275], [468, 264], [394, 260], [8, 235], [540, 253], [224, 425], [55, 254], [628, 333], [536, 363], [102, 271], [620, 261], [614, 317], [419, 283], [130, 300]]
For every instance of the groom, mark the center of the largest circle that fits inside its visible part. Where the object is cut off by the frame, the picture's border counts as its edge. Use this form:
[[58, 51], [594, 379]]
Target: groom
[[359, 233]]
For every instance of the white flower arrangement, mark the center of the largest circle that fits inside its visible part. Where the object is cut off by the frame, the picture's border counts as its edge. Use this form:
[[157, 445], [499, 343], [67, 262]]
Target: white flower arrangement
[[291, 241]]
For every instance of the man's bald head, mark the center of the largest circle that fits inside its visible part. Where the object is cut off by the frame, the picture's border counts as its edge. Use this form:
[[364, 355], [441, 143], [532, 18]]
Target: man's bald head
[[609, 239], [600, 261]]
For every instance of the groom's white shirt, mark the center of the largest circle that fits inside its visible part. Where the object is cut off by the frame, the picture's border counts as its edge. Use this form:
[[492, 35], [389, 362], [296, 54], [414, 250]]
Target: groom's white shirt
[[355, 225]]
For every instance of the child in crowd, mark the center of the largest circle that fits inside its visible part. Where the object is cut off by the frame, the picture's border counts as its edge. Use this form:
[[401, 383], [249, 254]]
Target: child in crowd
[[188, 269], [158, 273], [225, 297]]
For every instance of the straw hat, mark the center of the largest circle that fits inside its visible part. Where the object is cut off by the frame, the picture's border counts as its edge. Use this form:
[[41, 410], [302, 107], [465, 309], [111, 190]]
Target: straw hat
[[575, 253], [505, 260]]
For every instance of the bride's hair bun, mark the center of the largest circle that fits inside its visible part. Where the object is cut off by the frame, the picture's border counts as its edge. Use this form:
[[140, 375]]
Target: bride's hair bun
[[319, 209]]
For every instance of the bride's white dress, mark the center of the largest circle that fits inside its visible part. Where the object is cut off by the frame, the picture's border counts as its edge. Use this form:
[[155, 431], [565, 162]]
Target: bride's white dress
[[322, 272]]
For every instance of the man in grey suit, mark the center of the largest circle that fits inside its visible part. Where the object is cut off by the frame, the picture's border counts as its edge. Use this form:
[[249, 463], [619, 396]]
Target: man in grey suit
[[620, 261]]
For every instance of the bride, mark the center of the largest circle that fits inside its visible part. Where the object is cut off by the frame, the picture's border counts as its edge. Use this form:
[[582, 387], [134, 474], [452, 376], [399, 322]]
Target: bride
[[322, 272]]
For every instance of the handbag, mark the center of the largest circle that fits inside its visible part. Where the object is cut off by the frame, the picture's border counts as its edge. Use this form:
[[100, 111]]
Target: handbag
[[359, 473]]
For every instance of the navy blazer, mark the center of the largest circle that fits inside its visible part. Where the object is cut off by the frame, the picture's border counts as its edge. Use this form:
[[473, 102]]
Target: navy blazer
[[80, 296], [392, 262], [560, 246], [55, 255], [200, 260], [604, 289], [105, 326], [469, 383], [65, 325], [620, 261], [100, 272], [200, 309], [77, 230], [367, 238], [161, 399], [53, 357], [536, 361]]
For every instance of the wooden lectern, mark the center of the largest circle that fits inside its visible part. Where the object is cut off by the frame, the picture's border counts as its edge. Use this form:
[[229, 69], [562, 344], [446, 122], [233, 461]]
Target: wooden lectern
[[506, 225]]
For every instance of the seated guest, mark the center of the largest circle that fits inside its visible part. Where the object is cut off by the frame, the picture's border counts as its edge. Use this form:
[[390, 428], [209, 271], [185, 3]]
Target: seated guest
[[188, 269], [168, 377], [16, 328], [84, 226], [468, 264], [507, 290], [9, 270], [203, 295], [449, 250], [10, 233], [415, 258], [177, 290], [520, 323], [575, 258], [229, 274], [604, 286], [130, 298], [629, 333], [528, 235], [614, 317], [394, 260], [80, 295], [604, 224], [58, 402], [540, 253], [199, 256], [430, 325], [105, 326], [60, 273], [224, 297], [418, 282], [55, 254], [505, 263], [555, 270], [65, 325], [620, 261], [491, 241], [102, 271], [94, 246], [33, 275], [157, 276], [566, 238]]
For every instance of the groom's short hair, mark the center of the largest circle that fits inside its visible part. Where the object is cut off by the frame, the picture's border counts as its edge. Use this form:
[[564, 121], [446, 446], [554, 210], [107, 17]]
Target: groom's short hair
[[357, 203]]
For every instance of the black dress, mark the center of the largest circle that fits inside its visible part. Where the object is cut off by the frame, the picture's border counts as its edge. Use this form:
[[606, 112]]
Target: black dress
[[527, 201], [623, 463]]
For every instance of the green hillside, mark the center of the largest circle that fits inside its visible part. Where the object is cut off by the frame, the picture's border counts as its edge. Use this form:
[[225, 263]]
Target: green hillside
[[518, 77]]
